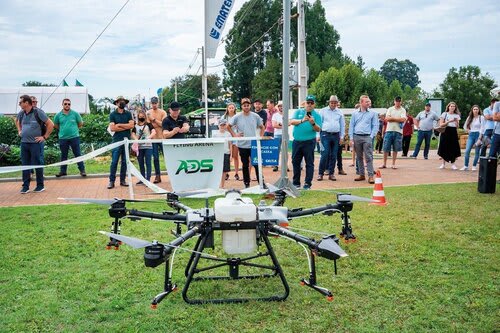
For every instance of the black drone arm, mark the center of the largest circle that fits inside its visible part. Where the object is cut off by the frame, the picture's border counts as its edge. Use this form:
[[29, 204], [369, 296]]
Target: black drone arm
[[165, 216], [179, 206], [313, 211], [327, 247], [181, 239]]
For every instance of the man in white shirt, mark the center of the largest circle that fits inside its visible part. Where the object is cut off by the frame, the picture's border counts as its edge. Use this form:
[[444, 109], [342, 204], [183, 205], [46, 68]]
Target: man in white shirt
[[393, 138]]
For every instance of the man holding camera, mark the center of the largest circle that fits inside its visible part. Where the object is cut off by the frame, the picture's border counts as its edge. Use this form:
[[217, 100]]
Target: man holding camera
[[306, 123], [175, 125]]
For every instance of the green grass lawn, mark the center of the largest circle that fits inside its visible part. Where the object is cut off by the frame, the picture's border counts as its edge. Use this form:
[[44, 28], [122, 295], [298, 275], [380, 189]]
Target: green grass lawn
[[425, 263]]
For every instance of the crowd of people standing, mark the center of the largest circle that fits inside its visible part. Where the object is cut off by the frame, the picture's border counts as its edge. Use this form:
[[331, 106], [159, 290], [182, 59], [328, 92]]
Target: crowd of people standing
[[327, 127]]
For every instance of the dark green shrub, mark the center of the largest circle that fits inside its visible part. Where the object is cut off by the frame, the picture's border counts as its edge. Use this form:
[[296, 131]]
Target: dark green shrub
[[52, 155], [8, 131], [94, 130], [10, 155]]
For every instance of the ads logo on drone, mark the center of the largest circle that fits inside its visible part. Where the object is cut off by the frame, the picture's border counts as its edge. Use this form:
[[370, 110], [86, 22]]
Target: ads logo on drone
[[192, 166]]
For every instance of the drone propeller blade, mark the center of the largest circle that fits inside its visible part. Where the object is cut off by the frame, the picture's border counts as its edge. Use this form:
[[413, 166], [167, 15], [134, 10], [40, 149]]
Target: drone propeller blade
[[182, 194], [106, 202], [330, 249], [273, 189], [136, 243], [348, 197]]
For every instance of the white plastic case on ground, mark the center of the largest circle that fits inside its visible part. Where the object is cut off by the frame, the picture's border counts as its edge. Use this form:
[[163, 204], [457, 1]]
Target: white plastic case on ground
[[234, 208]]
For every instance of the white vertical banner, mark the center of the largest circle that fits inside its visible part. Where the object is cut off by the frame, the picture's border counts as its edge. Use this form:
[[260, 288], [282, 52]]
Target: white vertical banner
[[192, 164], [216, 15]]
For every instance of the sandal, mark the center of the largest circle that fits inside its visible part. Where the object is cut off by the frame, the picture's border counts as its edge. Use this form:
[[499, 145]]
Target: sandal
[[393, 167], [236, 177], [382, 167]]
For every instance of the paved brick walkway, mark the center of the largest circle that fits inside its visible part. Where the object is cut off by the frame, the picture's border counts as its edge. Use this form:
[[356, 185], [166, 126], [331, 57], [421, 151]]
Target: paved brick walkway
[[409, 172]]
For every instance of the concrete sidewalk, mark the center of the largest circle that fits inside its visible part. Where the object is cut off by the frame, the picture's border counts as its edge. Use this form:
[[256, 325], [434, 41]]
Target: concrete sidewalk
[[409, 172]]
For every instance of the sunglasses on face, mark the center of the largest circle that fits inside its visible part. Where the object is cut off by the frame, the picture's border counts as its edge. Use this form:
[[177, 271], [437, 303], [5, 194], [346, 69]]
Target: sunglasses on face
[[309, 102], [67, 103]]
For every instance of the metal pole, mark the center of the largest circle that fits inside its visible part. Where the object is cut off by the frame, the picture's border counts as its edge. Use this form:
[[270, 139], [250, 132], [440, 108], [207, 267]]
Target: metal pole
[[205, 90], [284, 182], [175, 91], [301, 51]]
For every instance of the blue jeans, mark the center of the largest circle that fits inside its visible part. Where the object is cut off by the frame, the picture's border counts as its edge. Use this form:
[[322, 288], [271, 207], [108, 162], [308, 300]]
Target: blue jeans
[[305, 150], [157, 147], [32, 154], [64, 145], [495, 145], [279, 147], [330, 142], [473, 136], [145, 157], [115, 156], [423, 135]]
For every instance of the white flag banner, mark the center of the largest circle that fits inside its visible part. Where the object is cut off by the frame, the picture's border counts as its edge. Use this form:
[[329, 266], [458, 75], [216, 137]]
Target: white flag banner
[[216, 15], [193, 165]]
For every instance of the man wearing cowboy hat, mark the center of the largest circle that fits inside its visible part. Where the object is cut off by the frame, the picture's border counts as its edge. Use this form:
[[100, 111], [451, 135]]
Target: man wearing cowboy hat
[[120, 122]]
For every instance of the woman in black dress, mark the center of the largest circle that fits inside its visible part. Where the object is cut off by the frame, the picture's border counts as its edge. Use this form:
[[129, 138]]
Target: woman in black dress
[[449, 147]]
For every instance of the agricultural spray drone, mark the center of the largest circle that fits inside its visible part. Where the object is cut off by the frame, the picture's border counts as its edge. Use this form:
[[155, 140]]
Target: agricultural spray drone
[[245, 228]]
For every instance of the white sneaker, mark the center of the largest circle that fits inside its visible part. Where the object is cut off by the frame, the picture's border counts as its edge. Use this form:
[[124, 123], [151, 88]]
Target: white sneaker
[[441, 166], [464, 168], [454, 167], [474, 168]]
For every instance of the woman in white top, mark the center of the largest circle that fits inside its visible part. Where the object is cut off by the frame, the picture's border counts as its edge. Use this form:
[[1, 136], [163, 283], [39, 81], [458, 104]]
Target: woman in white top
[[449, 148], [474, 125], [230, 113]]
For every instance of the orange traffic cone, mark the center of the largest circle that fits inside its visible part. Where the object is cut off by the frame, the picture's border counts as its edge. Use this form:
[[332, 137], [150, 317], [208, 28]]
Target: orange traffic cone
[[378, 190]]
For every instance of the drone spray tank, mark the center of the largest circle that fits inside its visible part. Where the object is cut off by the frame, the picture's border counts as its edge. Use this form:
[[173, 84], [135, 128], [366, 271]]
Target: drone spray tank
[[235, 210]]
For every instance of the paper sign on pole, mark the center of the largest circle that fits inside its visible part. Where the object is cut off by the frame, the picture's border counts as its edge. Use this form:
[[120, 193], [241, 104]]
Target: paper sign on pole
[[194, 165], [216, 15]]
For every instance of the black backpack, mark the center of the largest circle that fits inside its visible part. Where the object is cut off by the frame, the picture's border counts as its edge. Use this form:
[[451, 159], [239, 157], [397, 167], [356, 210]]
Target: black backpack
[[43, 126]]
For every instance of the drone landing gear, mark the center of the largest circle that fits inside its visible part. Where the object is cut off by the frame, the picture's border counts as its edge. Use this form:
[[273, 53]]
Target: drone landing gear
[[233, 264], [346, 232], [168, 286], [312, 278], [115, 228]]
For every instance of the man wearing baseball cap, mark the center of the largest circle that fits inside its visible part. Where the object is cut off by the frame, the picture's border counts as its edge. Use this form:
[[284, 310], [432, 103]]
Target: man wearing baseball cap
[[425, 124], [156, 117], [306, 122], [175, 125], [247, 123]]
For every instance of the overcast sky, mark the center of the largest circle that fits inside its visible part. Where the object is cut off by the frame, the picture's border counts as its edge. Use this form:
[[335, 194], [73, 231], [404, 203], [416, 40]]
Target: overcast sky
[[153, 41]]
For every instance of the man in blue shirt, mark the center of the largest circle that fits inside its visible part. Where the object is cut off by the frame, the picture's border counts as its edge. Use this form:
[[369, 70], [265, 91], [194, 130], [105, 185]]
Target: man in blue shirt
[[120, 122], [332, 131], [306, 123], [495, 141], [362, 129], [489, 126]]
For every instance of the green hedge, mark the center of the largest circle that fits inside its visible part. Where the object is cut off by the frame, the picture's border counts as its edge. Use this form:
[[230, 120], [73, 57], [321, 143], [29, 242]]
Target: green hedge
[[93, 134]]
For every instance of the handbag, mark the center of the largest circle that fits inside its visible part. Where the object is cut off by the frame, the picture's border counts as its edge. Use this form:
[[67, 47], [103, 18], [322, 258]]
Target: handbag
[[441, 128]]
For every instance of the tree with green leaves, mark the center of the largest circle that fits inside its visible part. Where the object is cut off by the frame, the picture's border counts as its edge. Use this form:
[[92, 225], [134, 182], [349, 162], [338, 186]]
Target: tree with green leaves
[[256, 37], [267, 82], [37, 84], [189, 91], [466, 86], [405, 71]]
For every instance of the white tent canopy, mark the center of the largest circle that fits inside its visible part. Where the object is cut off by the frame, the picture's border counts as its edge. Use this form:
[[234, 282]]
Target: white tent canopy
[[9, 98]]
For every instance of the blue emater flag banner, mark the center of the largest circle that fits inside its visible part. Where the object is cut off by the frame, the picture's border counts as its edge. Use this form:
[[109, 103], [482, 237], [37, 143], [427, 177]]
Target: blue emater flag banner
[[269, 149]]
